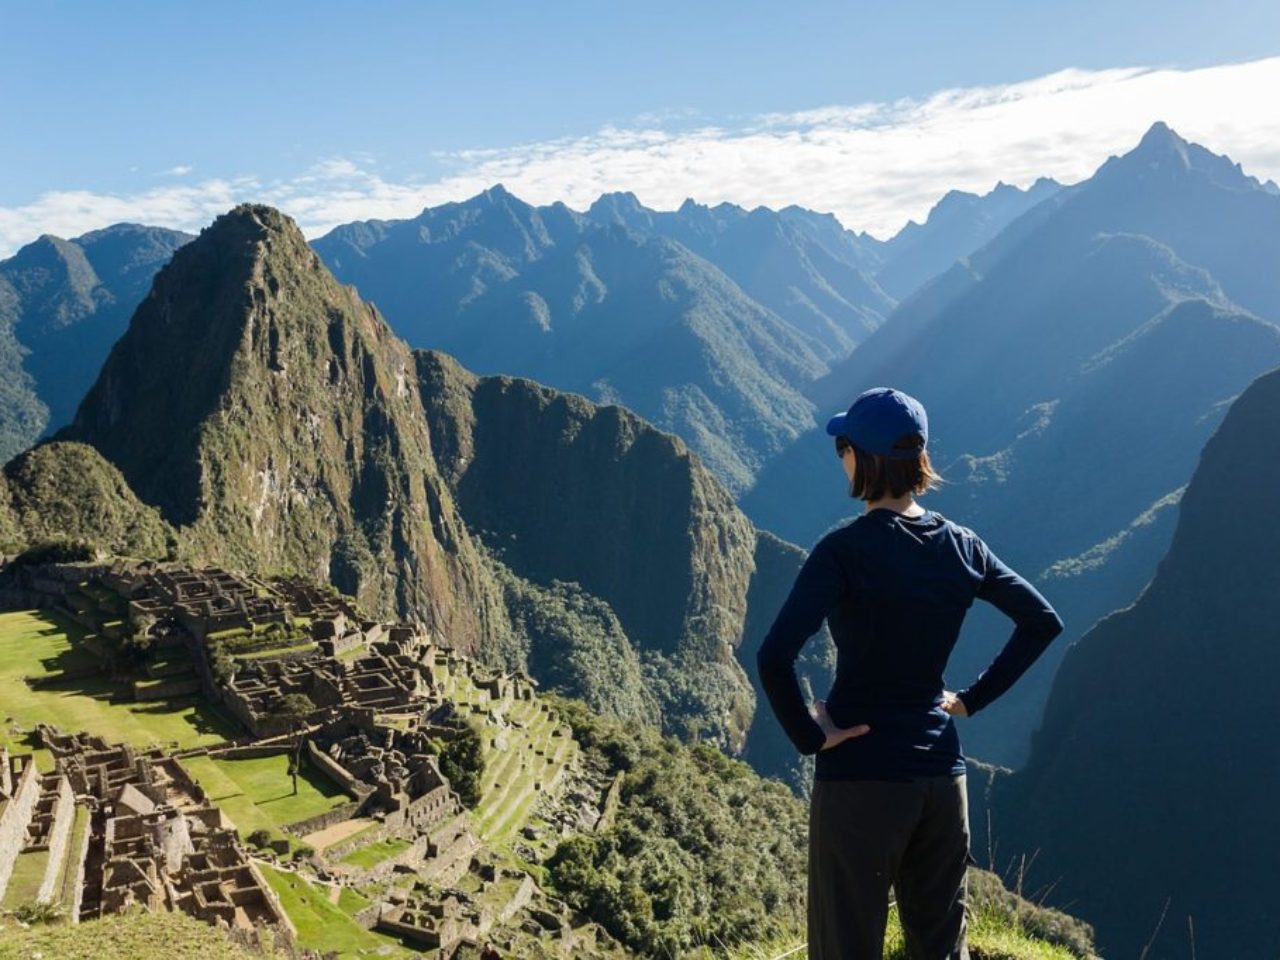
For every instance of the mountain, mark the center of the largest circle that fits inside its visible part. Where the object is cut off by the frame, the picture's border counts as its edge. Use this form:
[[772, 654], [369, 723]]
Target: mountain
[[1151, 784], [58, 491], [257, 414], [812, 274], [270, 415], [1073, 368], [62, 304], [629, 306], [710, 321], [564, 491], [959, 224]]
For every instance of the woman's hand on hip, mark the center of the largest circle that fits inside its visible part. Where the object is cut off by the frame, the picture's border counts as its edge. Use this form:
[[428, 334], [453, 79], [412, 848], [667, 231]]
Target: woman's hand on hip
[[835, 735], [953, 704]]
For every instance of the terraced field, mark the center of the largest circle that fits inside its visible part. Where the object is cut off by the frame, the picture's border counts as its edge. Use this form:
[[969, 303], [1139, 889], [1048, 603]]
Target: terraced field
[[530, 754], [327, 926], [257, 794], [35, 643]]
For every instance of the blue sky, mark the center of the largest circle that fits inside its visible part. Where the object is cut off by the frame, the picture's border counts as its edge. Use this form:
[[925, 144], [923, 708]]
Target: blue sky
[[112, 107]]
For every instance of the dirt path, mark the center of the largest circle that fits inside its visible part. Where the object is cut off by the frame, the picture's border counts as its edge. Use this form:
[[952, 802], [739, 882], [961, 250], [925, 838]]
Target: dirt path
[[336, 833]]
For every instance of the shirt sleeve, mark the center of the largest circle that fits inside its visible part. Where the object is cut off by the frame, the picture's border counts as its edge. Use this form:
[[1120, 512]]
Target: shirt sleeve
[[1036, 623], [818, 587]]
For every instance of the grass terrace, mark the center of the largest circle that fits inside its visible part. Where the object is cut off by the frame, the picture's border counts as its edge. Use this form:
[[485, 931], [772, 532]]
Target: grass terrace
[[327, 926], [38, 643], [375, 853], [531, 753], [257, 794], [136, 935]]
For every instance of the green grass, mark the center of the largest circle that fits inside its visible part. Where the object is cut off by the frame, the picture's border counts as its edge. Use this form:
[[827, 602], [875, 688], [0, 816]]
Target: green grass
[[375, 853], [65, 889], [24, 883], [37, 643], [326, 926], [992, 936], [258, 793], [352, 901], [136, 935], [228, 634], [278, 651]]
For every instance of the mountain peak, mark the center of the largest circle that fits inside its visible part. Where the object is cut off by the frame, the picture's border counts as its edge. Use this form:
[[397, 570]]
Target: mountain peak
[[52, 266], [1161, 149], [619, 198], [622, 206], [1161, 141], [242, 302], [499, 194], [252, 216]]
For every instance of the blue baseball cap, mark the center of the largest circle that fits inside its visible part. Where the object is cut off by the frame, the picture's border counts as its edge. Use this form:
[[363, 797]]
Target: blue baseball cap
[[878, 418]]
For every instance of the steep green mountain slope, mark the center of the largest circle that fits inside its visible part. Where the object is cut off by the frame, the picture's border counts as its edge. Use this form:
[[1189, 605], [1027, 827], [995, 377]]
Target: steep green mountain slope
[[67, 491], [62, 304], [1072, 369], [563, 490], [1151, 784]]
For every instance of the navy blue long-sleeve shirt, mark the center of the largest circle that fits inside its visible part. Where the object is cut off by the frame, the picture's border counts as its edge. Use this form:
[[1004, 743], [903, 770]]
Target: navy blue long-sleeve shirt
[[894, 591]]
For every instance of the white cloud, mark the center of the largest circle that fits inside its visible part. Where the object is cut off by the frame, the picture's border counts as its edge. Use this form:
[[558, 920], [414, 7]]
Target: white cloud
[[179, 171], [874, 165]]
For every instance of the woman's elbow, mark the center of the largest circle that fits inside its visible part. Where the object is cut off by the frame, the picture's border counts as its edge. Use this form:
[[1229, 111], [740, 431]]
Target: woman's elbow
[[1051, 624]]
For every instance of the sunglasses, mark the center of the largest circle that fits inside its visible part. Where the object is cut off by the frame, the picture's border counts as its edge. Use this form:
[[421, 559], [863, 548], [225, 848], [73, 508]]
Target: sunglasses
[[842, 444]]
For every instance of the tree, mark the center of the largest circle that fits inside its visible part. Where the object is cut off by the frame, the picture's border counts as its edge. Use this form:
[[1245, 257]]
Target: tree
[[463, 763], [295, 708]]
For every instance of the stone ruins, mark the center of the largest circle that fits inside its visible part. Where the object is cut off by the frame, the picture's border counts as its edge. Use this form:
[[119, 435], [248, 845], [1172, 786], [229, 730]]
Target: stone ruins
[[361, 704]]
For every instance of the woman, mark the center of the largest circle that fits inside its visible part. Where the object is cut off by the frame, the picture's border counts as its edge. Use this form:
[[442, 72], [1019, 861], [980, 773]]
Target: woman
[[888, 807]]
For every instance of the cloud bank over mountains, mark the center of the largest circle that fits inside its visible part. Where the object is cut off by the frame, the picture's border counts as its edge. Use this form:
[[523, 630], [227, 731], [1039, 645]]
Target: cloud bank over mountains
[[874, 165]]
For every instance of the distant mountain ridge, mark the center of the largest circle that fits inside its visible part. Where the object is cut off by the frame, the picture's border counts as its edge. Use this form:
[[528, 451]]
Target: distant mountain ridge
[[62, 304], [806, 294], [596, 308], [958, 224], [710, 321]]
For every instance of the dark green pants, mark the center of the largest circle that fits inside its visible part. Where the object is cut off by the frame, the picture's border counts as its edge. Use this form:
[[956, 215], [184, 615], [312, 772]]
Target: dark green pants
[[866, 836]]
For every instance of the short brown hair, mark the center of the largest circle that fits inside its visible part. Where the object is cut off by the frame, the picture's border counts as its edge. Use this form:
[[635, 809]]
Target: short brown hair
[[876, 477]]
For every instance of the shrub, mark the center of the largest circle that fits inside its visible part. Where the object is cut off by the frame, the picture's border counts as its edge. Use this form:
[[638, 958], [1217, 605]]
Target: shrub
[[463, 763], [38, 913], [57, 550]]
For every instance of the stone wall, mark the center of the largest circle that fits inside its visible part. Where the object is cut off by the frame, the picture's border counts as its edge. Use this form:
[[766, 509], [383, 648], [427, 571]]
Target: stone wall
[[384, 870], [15, 817], [336, 772], [64, 816], [337, 851], [251, 751], [146, 690], [323, 820], [81, 867]]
